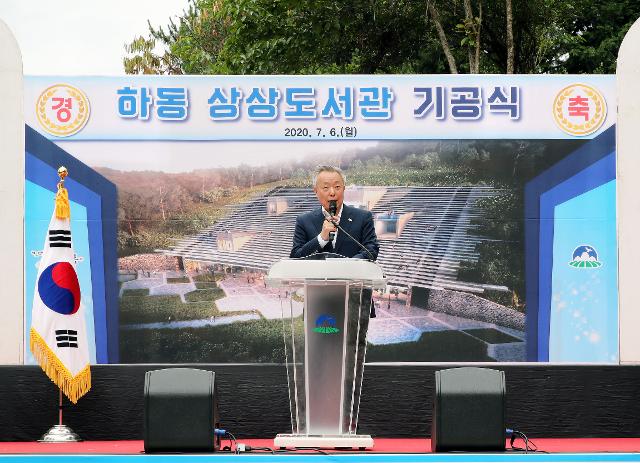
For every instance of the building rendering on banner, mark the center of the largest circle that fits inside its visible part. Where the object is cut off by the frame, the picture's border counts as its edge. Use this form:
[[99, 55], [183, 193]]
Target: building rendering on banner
[[425, 232]]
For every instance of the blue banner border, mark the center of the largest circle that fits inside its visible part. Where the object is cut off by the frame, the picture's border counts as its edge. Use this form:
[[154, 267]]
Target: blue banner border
[[103, 231], [539, 232]]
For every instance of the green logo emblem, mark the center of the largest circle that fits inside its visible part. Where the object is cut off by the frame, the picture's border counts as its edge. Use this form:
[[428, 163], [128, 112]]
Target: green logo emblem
[[326, 324]]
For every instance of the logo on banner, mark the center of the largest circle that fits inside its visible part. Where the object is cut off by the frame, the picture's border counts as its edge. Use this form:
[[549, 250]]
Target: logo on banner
[[62, 110], [585, 257], [326, 324], [579, 109]]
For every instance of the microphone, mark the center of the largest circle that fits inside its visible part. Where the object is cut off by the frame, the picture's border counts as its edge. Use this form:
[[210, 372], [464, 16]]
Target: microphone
[[333, 210], [333, 207], [371, 259]]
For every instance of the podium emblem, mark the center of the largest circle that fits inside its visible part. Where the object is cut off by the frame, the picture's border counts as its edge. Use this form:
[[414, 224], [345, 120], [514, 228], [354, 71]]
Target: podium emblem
[[326, 324]]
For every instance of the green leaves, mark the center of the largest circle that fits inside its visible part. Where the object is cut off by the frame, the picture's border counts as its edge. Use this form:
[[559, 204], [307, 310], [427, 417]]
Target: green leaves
[[381, 36], [468, 28]]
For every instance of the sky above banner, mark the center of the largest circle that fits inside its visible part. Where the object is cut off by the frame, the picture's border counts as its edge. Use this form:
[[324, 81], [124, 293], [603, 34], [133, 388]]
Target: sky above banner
[[319, 108], [77, 37]]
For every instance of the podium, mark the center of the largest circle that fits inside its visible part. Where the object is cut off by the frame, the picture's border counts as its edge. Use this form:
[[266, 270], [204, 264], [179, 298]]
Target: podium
[[325, 317]]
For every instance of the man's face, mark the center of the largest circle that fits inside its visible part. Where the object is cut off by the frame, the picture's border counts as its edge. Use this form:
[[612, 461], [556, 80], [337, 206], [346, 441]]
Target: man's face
[[329, 186]]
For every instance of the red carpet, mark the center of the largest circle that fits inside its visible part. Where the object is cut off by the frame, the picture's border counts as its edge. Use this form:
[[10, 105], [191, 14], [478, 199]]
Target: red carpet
[[594, 445]]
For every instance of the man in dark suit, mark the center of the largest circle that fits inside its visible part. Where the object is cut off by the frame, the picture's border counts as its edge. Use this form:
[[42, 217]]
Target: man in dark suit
[[313, 229]]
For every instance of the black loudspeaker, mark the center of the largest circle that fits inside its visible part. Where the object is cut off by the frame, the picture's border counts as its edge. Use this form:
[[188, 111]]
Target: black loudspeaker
[[468, 410], [180, 411]]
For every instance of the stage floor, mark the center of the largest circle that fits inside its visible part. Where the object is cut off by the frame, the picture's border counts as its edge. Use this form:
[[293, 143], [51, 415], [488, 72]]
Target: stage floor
[[385, 450]]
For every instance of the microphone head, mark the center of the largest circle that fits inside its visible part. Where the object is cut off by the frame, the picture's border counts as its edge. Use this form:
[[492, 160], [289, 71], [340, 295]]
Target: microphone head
[[333, 207]]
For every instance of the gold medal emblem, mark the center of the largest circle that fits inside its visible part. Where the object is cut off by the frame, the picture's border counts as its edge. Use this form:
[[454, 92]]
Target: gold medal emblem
[[579, 109], [62, 110]]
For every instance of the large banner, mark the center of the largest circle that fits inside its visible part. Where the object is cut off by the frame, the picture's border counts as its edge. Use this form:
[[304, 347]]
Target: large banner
[[493, 199]]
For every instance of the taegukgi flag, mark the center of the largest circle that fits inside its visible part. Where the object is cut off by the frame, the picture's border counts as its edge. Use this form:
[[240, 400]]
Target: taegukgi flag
[[58, 331]]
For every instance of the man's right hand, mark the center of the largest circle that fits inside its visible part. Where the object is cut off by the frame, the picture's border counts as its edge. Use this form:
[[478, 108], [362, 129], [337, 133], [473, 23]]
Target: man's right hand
[[327, 227]]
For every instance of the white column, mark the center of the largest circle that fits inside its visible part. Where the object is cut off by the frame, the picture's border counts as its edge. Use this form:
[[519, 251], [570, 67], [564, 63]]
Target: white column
[[11, 200], [628, 191]]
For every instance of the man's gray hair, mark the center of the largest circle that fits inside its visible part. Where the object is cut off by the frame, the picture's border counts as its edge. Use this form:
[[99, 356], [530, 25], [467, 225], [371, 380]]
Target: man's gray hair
[[321, 169]]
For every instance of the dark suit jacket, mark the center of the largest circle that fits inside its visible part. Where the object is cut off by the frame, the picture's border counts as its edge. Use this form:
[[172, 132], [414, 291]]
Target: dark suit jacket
[[357, 222]]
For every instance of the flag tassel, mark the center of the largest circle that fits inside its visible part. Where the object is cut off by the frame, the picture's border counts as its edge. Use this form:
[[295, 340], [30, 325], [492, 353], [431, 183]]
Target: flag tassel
[[63, 211], [73, 387]]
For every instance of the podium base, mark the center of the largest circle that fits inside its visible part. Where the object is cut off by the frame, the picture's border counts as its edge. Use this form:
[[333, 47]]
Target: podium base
[[323, 442]]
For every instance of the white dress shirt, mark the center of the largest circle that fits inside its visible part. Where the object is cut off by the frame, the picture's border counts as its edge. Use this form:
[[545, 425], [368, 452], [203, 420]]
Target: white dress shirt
[[322, 242]]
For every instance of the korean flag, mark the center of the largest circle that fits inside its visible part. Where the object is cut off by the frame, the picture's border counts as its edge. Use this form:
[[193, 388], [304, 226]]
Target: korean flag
[[58, 338]]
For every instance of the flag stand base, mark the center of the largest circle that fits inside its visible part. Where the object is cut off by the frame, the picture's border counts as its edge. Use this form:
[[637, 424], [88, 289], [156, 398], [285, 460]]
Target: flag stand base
[[60, 433]]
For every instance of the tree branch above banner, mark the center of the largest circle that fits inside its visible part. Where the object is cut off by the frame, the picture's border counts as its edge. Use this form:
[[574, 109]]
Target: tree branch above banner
[[385, 36]]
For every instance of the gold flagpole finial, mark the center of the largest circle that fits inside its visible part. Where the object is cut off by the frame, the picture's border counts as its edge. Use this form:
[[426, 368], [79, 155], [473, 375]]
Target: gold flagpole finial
[[62, 173], [63, 210]]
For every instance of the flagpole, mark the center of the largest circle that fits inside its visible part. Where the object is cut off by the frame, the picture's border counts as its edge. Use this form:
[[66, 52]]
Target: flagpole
[[60, 409], [60, 433]]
